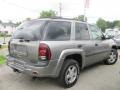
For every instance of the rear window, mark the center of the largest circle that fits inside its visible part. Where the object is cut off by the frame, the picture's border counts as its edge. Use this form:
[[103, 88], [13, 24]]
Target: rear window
[[57, 31], [44, 30], [30, 30]]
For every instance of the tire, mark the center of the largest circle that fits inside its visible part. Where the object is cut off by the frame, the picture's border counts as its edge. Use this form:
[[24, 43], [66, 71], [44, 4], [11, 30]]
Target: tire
[[112, 58], [69, 73]]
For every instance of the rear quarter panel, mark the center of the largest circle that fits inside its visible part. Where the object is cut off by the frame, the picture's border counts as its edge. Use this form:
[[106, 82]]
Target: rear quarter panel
[[57, 47], [61, 49]]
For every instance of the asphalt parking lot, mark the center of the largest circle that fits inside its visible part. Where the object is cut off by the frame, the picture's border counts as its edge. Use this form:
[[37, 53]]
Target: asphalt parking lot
[[95, 77]]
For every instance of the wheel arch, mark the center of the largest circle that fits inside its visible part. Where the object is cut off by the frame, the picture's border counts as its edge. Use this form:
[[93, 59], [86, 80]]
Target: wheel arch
[[76, 54], [114, 47], [77, 57]]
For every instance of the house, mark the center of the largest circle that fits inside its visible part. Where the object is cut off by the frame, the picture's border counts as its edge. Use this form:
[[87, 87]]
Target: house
[[7, 28]]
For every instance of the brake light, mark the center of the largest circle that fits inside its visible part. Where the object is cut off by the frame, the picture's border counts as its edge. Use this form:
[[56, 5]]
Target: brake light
[[44, 52]]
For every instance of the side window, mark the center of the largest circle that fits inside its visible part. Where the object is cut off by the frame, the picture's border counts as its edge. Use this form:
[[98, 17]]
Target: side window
[[81, 31], [96, 33], [58, 31]]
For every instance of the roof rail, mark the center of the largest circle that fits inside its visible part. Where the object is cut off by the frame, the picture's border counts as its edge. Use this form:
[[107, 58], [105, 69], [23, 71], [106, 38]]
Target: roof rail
[[65, 18]]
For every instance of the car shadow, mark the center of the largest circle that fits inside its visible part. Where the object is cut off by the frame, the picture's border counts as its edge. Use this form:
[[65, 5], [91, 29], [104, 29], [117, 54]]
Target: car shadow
[[44, 83], [93, 66], [24, 82]]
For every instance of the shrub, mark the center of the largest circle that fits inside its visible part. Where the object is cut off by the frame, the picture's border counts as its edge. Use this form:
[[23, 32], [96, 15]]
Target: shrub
[[2, 59]]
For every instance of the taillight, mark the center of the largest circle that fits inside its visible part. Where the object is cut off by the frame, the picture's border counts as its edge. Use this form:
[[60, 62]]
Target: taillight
[[44, 52]]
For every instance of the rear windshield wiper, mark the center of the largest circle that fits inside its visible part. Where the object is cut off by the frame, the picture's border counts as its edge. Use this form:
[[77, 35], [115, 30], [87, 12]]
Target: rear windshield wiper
[[22, 40]]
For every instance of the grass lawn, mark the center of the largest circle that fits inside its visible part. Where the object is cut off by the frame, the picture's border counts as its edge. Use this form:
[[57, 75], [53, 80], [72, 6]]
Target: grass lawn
[[2, 59]]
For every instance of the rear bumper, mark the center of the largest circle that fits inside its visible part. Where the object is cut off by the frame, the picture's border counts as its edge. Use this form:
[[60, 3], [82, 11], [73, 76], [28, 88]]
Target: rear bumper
[[47, 71]]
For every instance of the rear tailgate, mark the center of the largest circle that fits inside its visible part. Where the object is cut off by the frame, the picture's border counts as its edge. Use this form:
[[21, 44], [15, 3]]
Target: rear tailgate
[[25, 40], [26, 51]]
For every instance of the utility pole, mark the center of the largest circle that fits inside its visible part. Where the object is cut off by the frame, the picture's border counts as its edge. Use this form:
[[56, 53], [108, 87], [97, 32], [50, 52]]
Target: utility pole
[[86, 6], [4, 33], [60, 9], [84, 14]]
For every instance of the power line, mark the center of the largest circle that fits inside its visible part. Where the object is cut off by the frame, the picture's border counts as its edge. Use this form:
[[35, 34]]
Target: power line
[[16, 5]]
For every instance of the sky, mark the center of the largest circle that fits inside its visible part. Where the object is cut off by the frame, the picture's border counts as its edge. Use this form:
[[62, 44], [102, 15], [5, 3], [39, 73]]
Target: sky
[[19, 10]]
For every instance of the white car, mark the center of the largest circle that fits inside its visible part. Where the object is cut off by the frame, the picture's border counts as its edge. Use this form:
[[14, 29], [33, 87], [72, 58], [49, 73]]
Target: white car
[[117, 40], [109, 33]]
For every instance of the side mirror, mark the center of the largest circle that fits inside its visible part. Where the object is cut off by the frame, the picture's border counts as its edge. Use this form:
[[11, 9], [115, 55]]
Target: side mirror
[[103, 37]]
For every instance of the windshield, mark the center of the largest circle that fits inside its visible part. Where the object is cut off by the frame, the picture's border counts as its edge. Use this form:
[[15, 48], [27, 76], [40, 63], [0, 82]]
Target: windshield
[[30, 30]]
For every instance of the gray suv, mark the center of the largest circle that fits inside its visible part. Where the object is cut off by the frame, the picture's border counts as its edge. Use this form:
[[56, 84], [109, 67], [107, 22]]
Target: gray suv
[[58, 48]]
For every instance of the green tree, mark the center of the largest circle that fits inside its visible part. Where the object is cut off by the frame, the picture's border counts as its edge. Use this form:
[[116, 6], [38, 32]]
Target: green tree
[[116, 23], [47, 14], [0, 21], [17, 23], [28, 19], [101, 23], [110, 24], [81, 18]]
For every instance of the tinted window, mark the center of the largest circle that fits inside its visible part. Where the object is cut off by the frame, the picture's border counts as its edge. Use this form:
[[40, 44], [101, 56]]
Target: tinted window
[[30, 30], [96, 33], [58, 31], [81, 31]]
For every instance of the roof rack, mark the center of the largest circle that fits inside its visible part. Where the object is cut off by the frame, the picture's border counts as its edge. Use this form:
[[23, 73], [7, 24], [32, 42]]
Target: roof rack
[[65, 18]]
